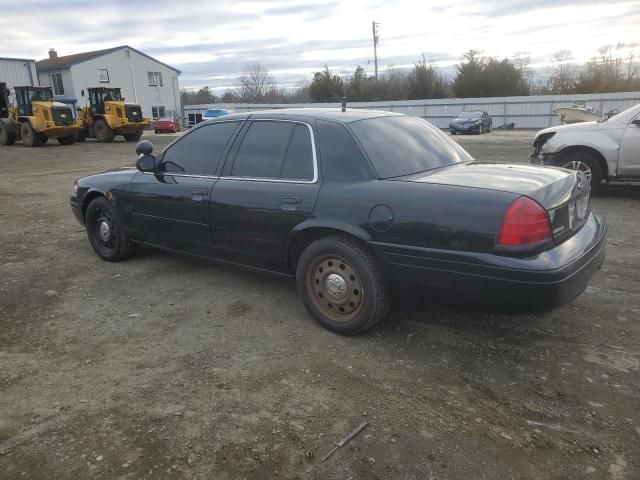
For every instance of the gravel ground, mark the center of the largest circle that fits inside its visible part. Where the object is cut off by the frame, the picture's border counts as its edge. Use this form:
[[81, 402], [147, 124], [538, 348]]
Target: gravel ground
[[167, 367]]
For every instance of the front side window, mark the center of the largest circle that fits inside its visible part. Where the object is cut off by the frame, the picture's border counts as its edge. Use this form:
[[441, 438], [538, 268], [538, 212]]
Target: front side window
[[56, 83], [199, 151], [103, 75], [155, 79], [402, 145]]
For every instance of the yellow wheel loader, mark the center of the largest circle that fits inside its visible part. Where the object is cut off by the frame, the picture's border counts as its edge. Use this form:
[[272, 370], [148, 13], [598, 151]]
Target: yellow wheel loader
[[107, 115], [35, 118]]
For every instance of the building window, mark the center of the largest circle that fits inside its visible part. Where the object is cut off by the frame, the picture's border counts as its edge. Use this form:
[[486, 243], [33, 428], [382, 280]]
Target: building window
[[155, 79], [157, 112], [103, 75], [194, 118], [56, 83], [127, 53]]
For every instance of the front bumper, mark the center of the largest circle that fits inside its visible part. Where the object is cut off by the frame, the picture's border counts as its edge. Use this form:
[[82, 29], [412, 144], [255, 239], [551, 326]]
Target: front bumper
[[544, 280], [464, 128], [76, 208]]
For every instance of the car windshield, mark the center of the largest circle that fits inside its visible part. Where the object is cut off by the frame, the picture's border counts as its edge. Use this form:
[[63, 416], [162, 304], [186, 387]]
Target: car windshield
[[400, 146], [470, 115]]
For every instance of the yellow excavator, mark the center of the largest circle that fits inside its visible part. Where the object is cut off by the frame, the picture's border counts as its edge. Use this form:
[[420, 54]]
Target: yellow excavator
[[107, 115], [35, 118]]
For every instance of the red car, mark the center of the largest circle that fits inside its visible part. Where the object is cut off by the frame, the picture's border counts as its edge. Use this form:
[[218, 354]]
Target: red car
[[166, 125]]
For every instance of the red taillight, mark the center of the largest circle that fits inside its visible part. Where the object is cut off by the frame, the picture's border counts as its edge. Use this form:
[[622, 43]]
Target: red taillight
[[524, 223]]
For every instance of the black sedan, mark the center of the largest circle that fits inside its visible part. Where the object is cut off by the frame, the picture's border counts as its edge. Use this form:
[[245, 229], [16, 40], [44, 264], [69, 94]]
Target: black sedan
[[471, 122], [354, 205]]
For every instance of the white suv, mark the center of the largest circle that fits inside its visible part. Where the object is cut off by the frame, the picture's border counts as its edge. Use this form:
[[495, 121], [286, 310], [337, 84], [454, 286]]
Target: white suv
[[605, 150]]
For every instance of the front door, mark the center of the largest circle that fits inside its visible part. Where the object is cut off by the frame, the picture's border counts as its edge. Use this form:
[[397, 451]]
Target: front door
[[170, 208], [629, 164], [269, 185]]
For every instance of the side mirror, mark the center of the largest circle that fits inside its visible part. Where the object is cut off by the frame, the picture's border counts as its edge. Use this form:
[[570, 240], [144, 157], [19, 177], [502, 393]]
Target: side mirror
[[146, 163]]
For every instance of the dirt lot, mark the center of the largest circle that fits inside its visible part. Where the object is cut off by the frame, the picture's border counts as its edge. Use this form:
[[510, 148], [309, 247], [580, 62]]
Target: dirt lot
[[167, 367]]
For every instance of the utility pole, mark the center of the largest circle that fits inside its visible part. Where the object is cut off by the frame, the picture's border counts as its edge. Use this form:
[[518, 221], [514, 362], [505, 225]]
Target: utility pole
[[374, 26]]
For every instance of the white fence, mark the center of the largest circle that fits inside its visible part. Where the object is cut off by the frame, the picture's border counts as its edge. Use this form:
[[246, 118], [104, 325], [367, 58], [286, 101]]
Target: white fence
[[525, 112]]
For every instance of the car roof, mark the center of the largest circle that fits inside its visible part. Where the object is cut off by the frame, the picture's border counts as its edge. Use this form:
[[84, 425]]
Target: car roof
[[335, 114]]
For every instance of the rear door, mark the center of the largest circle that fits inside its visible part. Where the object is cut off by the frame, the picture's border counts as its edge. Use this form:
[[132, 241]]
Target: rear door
[[170, 208], [629, 164], [269, 185]]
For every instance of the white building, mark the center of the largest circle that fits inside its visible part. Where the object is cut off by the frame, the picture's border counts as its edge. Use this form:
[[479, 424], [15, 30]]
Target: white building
[[18, 72], [143, 79]]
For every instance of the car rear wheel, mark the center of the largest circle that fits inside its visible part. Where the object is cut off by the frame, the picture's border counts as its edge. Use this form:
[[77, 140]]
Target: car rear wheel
[[105, 232], [104, 133], [81, 136], [341, 285], [585, 163], [6, 137], [30, 138]]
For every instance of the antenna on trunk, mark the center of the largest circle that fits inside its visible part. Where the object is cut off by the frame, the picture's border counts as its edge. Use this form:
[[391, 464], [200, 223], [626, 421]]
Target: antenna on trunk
[[344, 104]]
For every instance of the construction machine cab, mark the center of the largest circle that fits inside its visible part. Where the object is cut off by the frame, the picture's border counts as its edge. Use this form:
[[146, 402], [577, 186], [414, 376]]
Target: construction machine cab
[[26, 95], [97, 97]]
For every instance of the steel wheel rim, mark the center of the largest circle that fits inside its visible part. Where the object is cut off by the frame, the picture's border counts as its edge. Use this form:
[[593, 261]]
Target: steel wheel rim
[[580, 167], [335, 288], [103, 229]]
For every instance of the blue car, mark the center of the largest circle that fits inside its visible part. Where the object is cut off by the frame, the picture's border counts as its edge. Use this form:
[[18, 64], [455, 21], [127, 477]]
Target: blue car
[[215, 112]]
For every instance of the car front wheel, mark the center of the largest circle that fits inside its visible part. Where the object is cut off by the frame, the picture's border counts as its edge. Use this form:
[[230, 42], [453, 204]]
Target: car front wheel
[[342, 285], [105, 232], [585, 163]]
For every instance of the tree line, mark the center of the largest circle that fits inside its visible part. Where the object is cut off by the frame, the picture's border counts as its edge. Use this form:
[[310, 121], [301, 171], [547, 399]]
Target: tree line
[[615, 68]]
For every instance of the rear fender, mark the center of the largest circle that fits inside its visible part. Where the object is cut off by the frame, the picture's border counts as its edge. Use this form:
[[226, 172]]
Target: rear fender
[[317, 227]]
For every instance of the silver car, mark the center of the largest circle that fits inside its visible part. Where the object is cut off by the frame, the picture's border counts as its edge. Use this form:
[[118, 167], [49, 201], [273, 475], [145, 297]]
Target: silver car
[[605, 150]]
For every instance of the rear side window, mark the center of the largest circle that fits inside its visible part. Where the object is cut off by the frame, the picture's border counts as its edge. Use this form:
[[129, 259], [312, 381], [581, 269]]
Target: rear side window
[[199, 152], [298, 162], [402, 145], [341, 158], [275, 150], [262, 150]]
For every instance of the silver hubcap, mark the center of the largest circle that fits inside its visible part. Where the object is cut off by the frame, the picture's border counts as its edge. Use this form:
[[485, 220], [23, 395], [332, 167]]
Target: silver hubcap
[[105, 231], [336, 286], [579, 166]]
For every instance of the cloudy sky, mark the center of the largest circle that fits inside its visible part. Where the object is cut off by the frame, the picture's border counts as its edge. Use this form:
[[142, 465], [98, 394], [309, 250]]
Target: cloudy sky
[[212, 41]]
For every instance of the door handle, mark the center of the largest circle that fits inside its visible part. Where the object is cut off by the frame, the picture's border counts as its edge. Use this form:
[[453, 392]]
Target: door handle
[[295, 200], [199, 194]]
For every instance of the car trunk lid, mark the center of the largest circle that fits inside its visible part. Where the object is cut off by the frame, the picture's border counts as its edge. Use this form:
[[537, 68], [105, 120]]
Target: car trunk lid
[[564, 194]]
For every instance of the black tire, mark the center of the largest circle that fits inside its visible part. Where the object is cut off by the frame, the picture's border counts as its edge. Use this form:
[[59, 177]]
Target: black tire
[[583, 161], [68, 140], [357, 301], [81, 135], [155, 131], [30, 138], [132, 137], [6, 137], [104, 133], [453, 132], [110, 243]]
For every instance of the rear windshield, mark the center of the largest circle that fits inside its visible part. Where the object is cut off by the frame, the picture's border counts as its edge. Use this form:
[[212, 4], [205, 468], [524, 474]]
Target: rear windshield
[[400, 146]]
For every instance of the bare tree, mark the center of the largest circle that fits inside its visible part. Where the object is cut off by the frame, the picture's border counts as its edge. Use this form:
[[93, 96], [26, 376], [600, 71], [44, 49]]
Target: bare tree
[[256, 83], [564, 76]]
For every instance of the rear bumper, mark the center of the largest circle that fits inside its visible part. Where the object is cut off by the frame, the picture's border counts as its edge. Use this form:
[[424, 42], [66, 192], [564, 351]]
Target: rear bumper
[[544, 280]]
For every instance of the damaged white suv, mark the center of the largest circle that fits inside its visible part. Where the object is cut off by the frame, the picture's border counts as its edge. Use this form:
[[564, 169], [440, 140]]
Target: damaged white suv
[[605, 150]]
